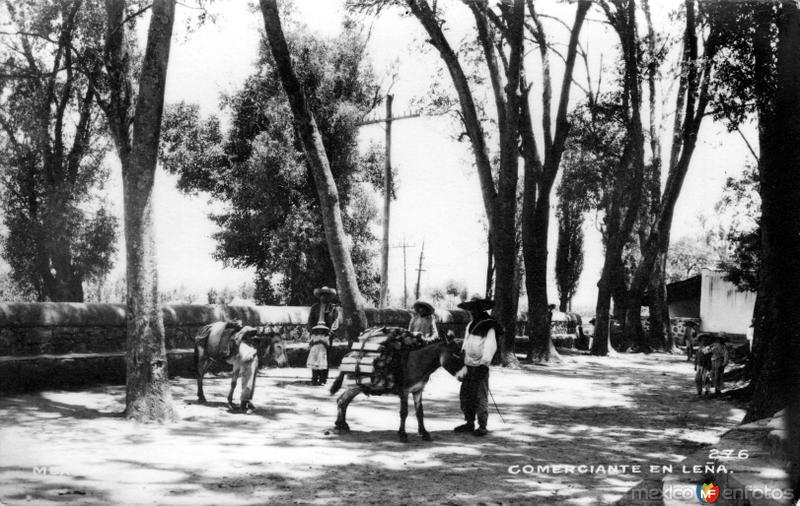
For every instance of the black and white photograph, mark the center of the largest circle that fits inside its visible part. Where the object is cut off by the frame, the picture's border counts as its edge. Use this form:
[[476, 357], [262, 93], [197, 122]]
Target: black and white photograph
[[379, 252]]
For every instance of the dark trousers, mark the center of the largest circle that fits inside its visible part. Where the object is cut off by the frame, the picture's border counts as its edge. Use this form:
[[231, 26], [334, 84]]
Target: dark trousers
[[319, 376], [474, 395]]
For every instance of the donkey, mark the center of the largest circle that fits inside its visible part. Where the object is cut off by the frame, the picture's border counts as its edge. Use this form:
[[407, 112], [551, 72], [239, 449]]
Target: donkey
[[230, 342], [417, 369]]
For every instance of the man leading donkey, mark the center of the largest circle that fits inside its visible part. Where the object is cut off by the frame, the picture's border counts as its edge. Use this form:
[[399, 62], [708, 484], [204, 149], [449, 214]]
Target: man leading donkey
[[480, 345]]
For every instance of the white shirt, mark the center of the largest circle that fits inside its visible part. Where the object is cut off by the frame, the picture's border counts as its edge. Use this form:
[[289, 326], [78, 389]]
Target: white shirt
[[479, 350]]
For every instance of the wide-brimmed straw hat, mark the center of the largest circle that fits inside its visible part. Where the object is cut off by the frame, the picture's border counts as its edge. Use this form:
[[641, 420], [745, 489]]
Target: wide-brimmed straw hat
[[477, 303], [320, 329], [324, 289], [423, 304], [705, 338]]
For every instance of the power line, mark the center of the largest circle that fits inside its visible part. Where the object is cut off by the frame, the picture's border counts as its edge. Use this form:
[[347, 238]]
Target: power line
[[387, 190]]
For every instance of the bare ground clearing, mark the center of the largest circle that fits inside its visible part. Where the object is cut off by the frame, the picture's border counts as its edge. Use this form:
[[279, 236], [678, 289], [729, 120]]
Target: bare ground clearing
[[72, 446]]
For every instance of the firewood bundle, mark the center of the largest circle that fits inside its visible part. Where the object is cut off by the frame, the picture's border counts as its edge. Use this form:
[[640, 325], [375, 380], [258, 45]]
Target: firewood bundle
[[375, 359]]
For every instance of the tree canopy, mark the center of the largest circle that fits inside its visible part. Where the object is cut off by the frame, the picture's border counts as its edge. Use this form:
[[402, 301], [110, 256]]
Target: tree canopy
[[271, 220], [59, 231]]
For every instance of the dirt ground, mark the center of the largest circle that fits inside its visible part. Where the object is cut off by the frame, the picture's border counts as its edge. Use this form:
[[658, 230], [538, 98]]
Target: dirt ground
[[72, 446]]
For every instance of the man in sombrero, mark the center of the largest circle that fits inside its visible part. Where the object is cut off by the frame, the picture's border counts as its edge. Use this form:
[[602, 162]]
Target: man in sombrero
[[323, 320], [480, 345], [325, 311]]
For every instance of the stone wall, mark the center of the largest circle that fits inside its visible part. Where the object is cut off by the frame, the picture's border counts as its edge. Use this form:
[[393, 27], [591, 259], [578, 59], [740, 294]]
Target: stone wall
[[69, 344], [678, 327], [47, 344]]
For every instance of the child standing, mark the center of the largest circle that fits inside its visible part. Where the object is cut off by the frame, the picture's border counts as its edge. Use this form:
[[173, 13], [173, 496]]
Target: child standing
[[702, 363], [424, 322], [318, 354], [719, 359]]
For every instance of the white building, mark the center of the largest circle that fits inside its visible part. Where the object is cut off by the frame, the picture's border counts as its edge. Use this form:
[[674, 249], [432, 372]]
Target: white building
[[718, 304]]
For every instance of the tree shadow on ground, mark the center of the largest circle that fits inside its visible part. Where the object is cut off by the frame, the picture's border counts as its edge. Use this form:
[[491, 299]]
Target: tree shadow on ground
[[45, 485], [635, 410], [36, 408]]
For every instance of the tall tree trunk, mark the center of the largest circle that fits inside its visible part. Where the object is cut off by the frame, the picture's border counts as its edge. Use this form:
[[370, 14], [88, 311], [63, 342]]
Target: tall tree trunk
[[539, 179], [619, 285], [541, 342], [620, 220], [609, 278], [504, 231], [763, 312], [662, 306], [519, 276], [501, 228], [147, 387], [626, 192], [489, 268], [469, 112], [778, 380], [61, 284], [355, 319], [658, 240], [656, 301]]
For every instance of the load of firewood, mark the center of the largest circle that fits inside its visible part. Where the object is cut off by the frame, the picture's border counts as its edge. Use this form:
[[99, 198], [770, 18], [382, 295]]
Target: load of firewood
[[375, 360]]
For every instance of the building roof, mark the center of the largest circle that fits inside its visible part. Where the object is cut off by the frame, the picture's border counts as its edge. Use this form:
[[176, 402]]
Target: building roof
[[684, 290]]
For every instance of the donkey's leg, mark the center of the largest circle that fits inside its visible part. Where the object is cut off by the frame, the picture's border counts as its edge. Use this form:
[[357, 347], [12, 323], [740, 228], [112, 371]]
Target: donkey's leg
[[234, 378], [248, 382], [202, 363], [342, 402], [401, 433], [420, 417]]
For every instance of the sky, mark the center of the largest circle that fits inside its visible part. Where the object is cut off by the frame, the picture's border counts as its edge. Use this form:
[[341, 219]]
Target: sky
[[438, 201]]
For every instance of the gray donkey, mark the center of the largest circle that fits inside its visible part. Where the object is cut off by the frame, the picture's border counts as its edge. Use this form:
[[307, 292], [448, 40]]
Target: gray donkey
[[237, 345]]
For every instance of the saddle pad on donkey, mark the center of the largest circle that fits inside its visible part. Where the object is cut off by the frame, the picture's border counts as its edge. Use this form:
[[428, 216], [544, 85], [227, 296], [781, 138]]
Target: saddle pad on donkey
[[221, 340], [219, 335]]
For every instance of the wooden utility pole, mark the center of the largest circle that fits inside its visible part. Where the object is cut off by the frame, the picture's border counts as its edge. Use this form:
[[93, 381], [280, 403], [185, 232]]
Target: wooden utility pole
[[419, 270], [405, 246], [387, 197], [387, 200]]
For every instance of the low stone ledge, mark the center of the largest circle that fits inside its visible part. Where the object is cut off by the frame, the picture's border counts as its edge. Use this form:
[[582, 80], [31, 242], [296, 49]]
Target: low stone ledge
[[68, 314], [72, 370]]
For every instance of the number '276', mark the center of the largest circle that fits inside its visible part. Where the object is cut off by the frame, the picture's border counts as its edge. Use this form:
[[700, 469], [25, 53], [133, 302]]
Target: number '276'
[[715, 453]]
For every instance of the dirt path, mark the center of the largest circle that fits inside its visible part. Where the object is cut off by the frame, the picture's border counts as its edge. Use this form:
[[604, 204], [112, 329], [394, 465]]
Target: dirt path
[[58, 446]]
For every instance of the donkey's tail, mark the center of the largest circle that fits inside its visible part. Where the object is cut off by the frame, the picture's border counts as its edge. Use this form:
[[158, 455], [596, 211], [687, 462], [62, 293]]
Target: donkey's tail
[[337, 384], [200, 339]]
